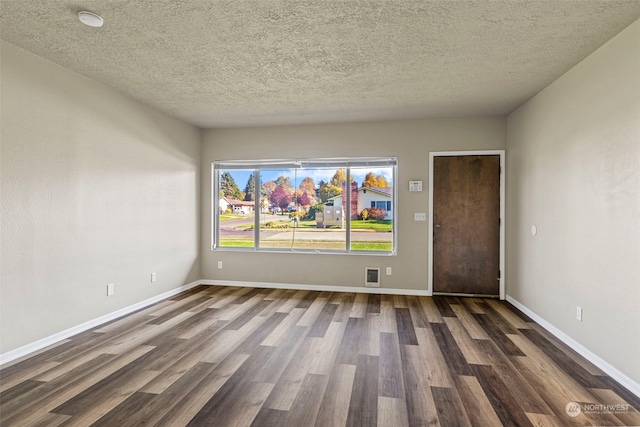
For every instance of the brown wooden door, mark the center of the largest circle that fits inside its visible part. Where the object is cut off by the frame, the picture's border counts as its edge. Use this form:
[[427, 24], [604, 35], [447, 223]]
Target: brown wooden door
[[466, 225]]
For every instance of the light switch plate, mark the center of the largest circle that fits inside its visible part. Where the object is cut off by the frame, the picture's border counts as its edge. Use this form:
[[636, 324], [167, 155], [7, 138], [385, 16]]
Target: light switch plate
[[419, 216]]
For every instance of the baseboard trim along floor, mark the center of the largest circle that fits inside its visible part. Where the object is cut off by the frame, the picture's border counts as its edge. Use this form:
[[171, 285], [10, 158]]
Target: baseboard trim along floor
[[32, 348], [327, 288], [624, 380], [232, 356]]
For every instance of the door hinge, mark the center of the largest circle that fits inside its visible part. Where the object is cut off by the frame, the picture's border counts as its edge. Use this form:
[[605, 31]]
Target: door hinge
[[499, 170], [499, 274]]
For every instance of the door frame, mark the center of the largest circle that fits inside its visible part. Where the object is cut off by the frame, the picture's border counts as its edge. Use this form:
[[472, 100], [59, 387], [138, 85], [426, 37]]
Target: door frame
[[432, 155]]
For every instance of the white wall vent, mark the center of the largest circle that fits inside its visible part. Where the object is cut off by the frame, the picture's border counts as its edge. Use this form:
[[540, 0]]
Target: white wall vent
[[372, 277]]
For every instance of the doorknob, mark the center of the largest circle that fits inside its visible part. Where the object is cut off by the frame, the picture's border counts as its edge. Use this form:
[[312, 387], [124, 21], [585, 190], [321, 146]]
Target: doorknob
[[437, 225]]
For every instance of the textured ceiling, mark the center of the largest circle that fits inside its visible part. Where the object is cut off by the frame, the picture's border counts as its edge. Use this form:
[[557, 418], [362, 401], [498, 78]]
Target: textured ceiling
[[244, 63]]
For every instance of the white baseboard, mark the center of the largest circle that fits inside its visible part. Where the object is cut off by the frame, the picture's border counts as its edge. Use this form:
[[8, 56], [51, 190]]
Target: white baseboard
[[19, 352], [55, 338], [624, 380], [328, 288]]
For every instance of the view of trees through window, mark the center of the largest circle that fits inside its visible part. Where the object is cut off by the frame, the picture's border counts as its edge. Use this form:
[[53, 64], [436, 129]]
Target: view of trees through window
[[306, 207]]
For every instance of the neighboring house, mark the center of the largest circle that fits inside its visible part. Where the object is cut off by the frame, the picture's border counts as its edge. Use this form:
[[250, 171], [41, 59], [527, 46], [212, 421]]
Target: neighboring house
[[378, 197], [369, 197], [223, 204], [236, 206]]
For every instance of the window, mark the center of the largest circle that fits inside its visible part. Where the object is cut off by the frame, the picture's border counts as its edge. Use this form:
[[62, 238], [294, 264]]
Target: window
[[382, 204], [305, 205]]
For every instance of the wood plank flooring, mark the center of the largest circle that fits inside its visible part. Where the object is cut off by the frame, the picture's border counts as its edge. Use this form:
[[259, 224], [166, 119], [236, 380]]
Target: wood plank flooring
[[226, 356]]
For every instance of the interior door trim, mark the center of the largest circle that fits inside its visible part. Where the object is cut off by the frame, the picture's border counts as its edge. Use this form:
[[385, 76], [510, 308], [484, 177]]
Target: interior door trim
[[500, 153]]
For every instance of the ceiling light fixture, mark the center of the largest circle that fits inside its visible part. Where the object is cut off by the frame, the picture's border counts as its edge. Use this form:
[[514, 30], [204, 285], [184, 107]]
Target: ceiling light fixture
[[90, 19]]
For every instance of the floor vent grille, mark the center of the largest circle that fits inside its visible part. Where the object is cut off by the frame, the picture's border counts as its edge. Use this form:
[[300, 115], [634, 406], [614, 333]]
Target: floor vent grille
[[372, 277]]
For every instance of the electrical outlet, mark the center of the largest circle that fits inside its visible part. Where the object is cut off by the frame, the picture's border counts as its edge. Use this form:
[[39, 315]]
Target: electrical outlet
[[220, 264], [579, 313], [111, 289], [153, 277], [388, 271]]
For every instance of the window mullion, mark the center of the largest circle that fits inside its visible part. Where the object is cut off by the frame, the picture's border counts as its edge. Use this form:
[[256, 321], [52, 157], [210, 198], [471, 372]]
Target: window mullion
[[215, 208], [347, 212], [257, 208]]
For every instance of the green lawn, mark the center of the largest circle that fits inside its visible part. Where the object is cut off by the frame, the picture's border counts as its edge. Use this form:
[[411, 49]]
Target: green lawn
[[356, 224], [236, 243], [307, 244], [371, 246], [227, 217], [285, 223], [382, 225]]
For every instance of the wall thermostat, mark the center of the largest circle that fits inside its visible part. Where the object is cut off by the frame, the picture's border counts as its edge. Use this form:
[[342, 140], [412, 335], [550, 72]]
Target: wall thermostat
[[415, 185]]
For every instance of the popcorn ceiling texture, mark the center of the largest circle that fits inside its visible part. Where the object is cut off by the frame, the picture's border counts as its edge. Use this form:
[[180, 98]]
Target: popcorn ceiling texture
[[242, 63]]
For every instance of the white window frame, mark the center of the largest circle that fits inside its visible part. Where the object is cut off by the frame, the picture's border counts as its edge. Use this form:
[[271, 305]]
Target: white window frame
[[256, 165]]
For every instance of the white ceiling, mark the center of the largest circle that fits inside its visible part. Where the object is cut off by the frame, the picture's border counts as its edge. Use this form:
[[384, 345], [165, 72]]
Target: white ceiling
[[266, 62]]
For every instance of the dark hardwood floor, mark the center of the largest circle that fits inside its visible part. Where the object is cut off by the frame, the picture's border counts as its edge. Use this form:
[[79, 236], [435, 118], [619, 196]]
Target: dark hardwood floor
[[216, 356]]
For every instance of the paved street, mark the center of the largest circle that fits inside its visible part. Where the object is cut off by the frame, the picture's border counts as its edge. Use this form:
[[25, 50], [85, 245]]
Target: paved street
[[334, 236], [331, 234]]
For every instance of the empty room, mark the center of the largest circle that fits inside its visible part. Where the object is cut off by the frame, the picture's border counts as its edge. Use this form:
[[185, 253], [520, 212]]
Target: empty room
[[320, 213]]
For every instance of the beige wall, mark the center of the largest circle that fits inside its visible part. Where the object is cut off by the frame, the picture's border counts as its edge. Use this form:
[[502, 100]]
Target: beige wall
[[411, 141], [96, 189], [573, 170]]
